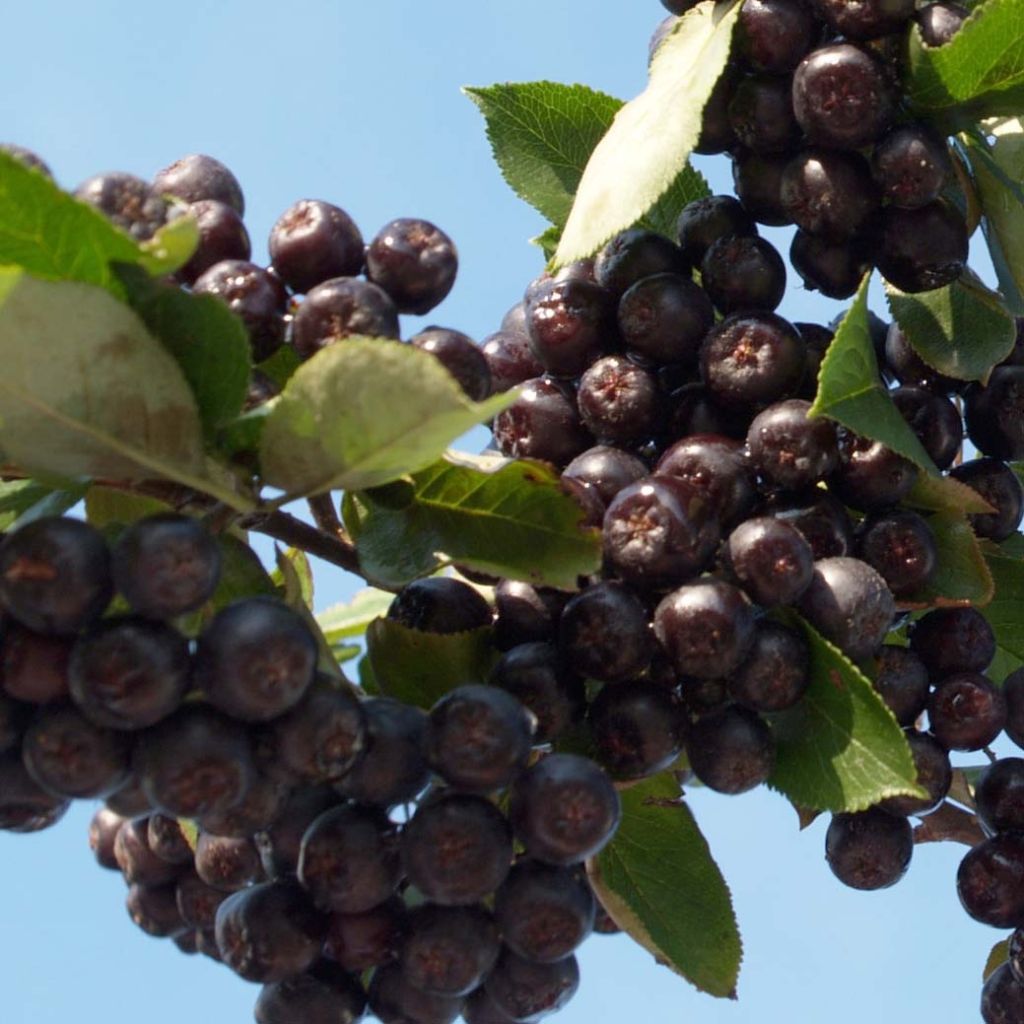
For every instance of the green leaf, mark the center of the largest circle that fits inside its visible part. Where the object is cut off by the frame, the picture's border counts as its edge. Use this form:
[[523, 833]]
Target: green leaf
[[542, 135], [419, 668], [49, 233], [979, 73], [208, 341], [962, 330], [663, 216], [22, 501], [944, 494], [87, 392], [643, 152], [510, 519], [998, 170], [294, 575], [997, 957], [341, 621], [1005, 612], [659, 882], [961, 575], [840, 748], [851, 391], [547, 241], [105, 505], [171, 247], [362, 413], [281, 365]]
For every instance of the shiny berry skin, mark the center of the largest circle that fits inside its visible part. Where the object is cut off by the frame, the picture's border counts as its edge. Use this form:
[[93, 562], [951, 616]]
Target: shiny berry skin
[[999, 796], [196, 177], [870, 475], [460, 356], [706, 628], [841, 97], [166, 565], [635, 254], [934, 775], [571, 323], [135, 857], [339, 308], [440, 604], [775, 674], [618, 401], [415, 262], [731, 750], [911, 166], [394, 1001], [850, 604], [227, 864], [694, 410], [153, 909], [821, 519], [325, 994], [866, 20], [447, 951], [1013, 691], [313, 241], [949, 640], [773, 35], [717, 468], [222, 236], [510, 360], [636, 729], [770, 559], [829, 193], [541, 423], [103, 829], [167, 840], [990, 881], [994, 414], [1002, 997], [741, 273], [966, 711], [761, 114], [939, 22], [791, 449], [704, 221], [564, 809], [757, 179], [934, 419], [663, 318], [999, 486], [924, 248], [127, 201], [606, 470], [279, 842], [716, 135], [869, 849], [55, 575], [901, 680], [24, 805], [901, 546], [527, 990], [909, 368], [835, 269], [544, 683]]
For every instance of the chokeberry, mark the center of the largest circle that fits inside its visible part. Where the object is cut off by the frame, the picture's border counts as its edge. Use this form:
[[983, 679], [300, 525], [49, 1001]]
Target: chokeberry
[[770, 559], [900, 545], [829, 193], [325, 994], [911, 165], [869, 849], [773, 35], [835, 269], [166, 839], [719, 471], [949, 640], [341, 307], [360, 942], [527, 990], [789, 448], [999, 796], [313, 241], [227, 864], [966, 711], [440, 604], [940, 21], [34, 666], [222, 236], [741, 273], [990, 881], [731, 750], [154, 910], [447, 951], [636, 729], [635, 254], [103, 829], [922, 249], [571, 323], [263, 802], [1002, 997], [999, 486], [757, 180], [901, 680], [544, 683], [136, 859], [24, 805], [761, 114], [909, 368], [460, 356], [933, 772], [510, 360], [606, 470], [196, 177], [994, 414], [128, 201], [414, 261], [776, 672], [867, 20], [870, 475], [704, 221], [619, 401], [821, 519], [541, 423], [280, 842], [394, 1001], [934, 419]]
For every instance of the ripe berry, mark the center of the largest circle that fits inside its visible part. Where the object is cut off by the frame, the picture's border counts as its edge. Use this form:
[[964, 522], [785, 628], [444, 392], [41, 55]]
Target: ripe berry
[[773, 35], [269, 932], [166, 839], [909, 368], [339, 308], [527, 990], [279, 843], [24, 806], [636, 729], [1002, 998], [841, 97], [154, 910], [994, 414], [414, 261], [731, 750], [166, 565], [869, 849], [717, 469], [911, 165], [821, 519], [197, 177], [850, 604], [867, 20], [34, 666], [901, 680], [136, 859], [262, 803], [394, 1001], [510, 360], [835, 269], [564, 809], [447, 951], [934, 419], [606, 470], [939, 22], [635, 254], [103, 829], [741, 273], [999, 486], [924, 248], [775, 674], [770, 559], [791, 449], [197, 901], [544, 683], [950, 640], [222, 236], [126, 200], [901, 546], [457, 848], [829, 193], [694, 410], [313, 241], [460, 356], [870, 475], [757, 181], [706, 628], [129, 801], [541, 423], [325, 994], [619, 401], [252, 294], [704, 221], [933, 772], [1013, 691], [227, 864], [990, 881], [761, 114], [128, 672], [571, 323], [966, 711], [440, 604], [55, 575], [999, 796], [359, 942]]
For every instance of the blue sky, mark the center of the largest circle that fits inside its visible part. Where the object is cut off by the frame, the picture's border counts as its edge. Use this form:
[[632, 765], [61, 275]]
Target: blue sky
[[359, 104]]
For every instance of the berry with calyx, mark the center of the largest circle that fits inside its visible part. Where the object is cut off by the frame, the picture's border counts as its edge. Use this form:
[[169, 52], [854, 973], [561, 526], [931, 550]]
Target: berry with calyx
[[869, 849], [457, 848], [829, 193], [636, 729], [127, 201], [850, 604], [571, 323], [901, 680], [24, 805], [1002, 998], [619, 402], [924, 248], [136, 859], [835, 269], [447, 951], [842, 97], [227, 864], [741, 273], [769, 559], [994, 414], [34, 666], [911, 165], [269, 932], [128, 672], [731, 750], [541, 423], [337, 309], [154, 910], [757, 181], [197, 177], [718, 469], [527, 990], [606, 470], [704, 221], [774, 35], [313, 241], [360, 942], [761, 114], [440, 604], [999, 486], [990, 881], [940, 21], [867, 20], [966, 711], [414, 261], [933, 772], [544, 912], [564, 809], [280, 842], [663, 318], [544, 683], [263, 802], [510, 360], [55, 575], [776, 672], [166, 565], [870, 475], [394, 1001], [821, 519], [222, 236], [950, 640], [901, 546], [103, 829], [999, 796], [791, 449], [325, 994], [166, 839], [934, 419], [460, 356], [633, 255]]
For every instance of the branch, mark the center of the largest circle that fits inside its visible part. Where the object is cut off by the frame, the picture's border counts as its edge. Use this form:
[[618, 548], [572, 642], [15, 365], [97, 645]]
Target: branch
[[337, 549], [949, 823]]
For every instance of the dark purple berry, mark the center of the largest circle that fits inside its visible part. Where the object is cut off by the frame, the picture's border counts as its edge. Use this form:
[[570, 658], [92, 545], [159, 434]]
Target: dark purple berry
[[167, 840], [635, 254], [359, 942], [829, 193], [741, 273], [941, 21], [1002, 998], [775, 674], [791, 449], [280, 842], [154, 910], [414, 261], [394, 1001], [341, 307], [34, 666], [901, 680], [999, 486], [966, 711], [544, 683], [24, 806], [761, 114], [313, 241], [901, 546], [460, 356], [196, 177], [440, 604], [447, 951], [994, 414], [870, 475], [990, 881], [527, 990], [868, 19], [227, 864], [571, 323], [541, 423], [510, 360], [606, 470], [835, 269], [127, 201], [136, 859], [934, 775], [773, 35], [222, 236], [770, 559], [911, 165], [103, 829], [731, 750], [197, 901], [757, 180], [949, 640], [999, 796], [717, 469], [636, 729], [924, 248], [821, 519], [325, 994], [934, 419], [909, 368], [869, 849], [704, 221]]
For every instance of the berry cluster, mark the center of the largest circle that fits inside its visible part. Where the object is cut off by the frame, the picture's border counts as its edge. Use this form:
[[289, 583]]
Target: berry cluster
[[272, 819], [809, 111]]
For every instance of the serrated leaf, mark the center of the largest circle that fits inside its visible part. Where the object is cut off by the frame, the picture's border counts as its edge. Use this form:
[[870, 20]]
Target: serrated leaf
[[998, 956], [961, 330], [643, 152], [944, 494], [419, 668], [105, 505], [342, 621], [658, 881], [510, 519], [86, 391], [362, 413], [294, 575], [961, 575], [52, 235], [22, 501], [840, 748], [1005, 612], [206, 339], [979, 73], [851, 391]]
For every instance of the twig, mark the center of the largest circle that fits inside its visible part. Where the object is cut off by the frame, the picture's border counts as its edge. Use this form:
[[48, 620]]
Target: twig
[[294, 532], [325, 515], [949, 823]]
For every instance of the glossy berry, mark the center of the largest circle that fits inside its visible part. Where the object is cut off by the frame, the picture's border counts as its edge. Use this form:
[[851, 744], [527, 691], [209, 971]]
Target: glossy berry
[[544, 683], [337, 309], [153, 909], [544, 912], [359, 942], [998, 485], [166, 565], [791, 449], [731, 750], [716, 467], [34, 666], [136, 859], [776, 672], [541, 423], [606, 470], [527, 990], [770, 560], [394, 1001], [990, 881], [325, 994], [704, 221], [571, 323], [439, 604], [994, 414], [999, 796], [757, 180], [635, 254], [752, 359], [773, 35], [478, 738], [1013, 691], [901, 546], [564, 809], [313, 241], [821, 519], [222, 236], [24, 805], [949, 640], [939, 22], [129, 801], [966, 711], [870, 475], [694, 410], [447, 951], [835, 269], [456, 849], [741, 273], [126, 200], [253, 295], [934, 775], [869, 849], [635, 727], [414, 261], [1002, 997], [269, 932], [761, 114], [510, 360], [198, 177], [103, 829], [227, 864], [618, 401], [279, 842], [924, 248], [866, 20], [829, 193], [850, 604], [55, 575], [934, 419], [841, 97], [911, 166], [460, 356], [129, 672], [901, 680]]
